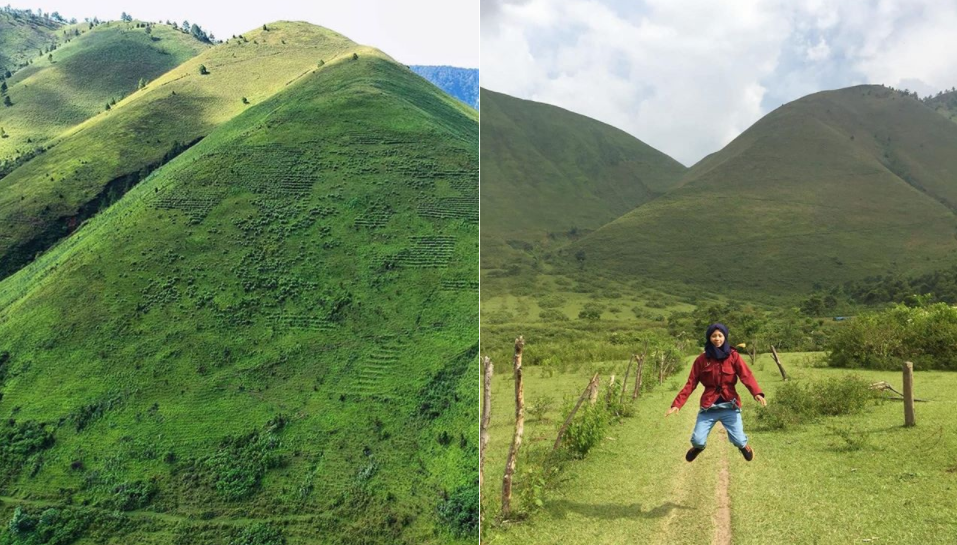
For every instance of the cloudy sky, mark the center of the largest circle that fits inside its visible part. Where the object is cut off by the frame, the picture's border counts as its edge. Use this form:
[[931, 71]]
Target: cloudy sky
[[411, 31], [688, 77]]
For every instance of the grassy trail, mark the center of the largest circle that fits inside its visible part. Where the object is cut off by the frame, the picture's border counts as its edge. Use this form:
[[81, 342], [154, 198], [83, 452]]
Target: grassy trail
[[840, 480], [635, 487]]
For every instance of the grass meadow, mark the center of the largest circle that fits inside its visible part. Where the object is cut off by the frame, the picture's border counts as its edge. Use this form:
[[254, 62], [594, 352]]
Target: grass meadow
[[842, 479]]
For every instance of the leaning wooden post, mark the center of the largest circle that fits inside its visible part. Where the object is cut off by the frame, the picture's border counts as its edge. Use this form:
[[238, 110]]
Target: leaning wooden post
[[593, 393], [638, 376], [624, 383], [486, 416], [568, 421], [908, 394], [519, 430], [777, 360]]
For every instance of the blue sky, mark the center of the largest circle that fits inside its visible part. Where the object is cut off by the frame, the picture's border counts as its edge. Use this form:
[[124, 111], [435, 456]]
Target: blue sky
[[411, 31], [689, 76]]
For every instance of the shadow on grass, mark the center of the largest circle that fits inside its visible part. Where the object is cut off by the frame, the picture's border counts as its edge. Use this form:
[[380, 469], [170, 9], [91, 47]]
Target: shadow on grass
[[561, 508]]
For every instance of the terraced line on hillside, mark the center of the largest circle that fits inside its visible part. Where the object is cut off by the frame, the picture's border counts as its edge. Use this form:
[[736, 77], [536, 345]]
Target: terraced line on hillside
[[166, 517]]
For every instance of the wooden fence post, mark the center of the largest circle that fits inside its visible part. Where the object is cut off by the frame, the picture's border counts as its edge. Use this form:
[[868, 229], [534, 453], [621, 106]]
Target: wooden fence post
[[486, 416], [519, 430], [568, 421], [638, 376], [777, 360], [908, 394], [624, 382]]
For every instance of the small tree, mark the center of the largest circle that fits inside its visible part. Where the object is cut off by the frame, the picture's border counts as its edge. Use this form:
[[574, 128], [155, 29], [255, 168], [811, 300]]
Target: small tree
[[107, 106], [50, 57], [580, 258], [3, 88], [321, 62], [265, 28], [3, 133], [355, 56], [142, 83], [6, 101], [245, 100], [202, 70]]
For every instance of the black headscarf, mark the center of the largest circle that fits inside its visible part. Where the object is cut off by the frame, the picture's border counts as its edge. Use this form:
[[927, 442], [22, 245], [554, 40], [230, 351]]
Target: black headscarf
[[717, 352]]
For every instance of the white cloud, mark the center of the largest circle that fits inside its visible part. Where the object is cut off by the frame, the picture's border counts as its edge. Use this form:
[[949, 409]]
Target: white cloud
[[688, 77], [818, 52]]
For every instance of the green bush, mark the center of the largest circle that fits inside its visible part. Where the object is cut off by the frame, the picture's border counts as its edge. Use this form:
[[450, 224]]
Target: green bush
[[551, 301], [460, 512], [586, 430], [552, 315], [797, 403], [52, 526], [884, 340], [260, 534]]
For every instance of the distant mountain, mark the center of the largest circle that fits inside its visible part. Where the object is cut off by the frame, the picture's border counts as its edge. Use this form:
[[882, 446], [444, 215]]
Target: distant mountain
[[837, 186], [548, 172], [92, 164], [89, 69], [272, 337], [462, 83]]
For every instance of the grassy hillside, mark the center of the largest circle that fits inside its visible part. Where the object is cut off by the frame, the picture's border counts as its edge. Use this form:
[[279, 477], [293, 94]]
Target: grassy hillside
[[945, 104], [462, 83], [21, 35], [89, 165], [836, 186], [550, 172], [275, 333], [91, 68]]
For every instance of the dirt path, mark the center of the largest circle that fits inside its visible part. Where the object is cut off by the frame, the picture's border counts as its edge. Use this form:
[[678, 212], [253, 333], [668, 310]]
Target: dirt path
[[722, 498]]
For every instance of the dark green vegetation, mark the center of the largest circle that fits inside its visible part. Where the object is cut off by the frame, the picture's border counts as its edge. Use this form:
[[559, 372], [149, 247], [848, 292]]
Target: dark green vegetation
[[549, 174], [271, 338], [462, 83], [89, 68], [90, 165], [836, 186], [925, 335]]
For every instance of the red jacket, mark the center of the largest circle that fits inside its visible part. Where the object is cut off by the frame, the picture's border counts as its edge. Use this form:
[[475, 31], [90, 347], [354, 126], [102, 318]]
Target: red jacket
[[718, 378]]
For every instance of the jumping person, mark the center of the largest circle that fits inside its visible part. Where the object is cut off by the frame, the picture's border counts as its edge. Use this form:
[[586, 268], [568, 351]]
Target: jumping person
[[718, 369]]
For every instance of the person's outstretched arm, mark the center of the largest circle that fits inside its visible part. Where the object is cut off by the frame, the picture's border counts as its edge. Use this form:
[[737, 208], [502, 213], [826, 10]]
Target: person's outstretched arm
[[751, 383], [692, 383]]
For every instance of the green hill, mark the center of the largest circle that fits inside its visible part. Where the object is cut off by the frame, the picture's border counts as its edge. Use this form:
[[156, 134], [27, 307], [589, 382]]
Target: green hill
[[945, 104], [836, 186], [22, 36], [550, 172], [93, 163], [91, 68], [274, 333]]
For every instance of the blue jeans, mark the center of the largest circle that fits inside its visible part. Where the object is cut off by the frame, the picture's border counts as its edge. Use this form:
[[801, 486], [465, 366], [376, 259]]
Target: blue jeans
[[731, 420]]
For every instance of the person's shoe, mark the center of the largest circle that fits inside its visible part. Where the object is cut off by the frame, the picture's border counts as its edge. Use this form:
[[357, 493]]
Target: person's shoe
[[693, 453], [747, 452]]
